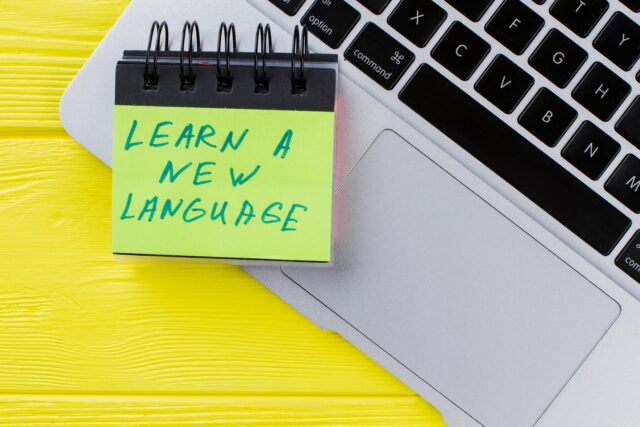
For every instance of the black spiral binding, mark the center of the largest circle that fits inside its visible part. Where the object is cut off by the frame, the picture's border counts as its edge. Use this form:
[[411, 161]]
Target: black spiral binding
[[157, 29], [227, 46], [225, 80], [299, 48], [263, 40], [188, 79]]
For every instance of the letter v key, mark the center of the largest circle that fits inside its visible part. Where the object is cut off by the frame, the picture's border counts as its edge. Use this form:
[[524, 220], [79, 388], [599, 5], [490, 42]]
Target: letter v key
[[504, 83]]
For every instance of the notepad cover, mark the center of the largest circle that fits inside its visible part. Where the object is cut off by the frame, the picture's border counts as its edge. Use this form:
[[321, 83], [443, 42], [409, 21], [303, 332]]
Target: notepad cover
[[194, 178]]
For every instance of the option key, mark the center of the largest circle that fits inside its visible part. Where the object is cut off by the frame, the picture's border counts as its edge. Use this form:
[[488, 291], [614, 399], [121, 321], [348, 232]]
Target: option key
[[331, 21]]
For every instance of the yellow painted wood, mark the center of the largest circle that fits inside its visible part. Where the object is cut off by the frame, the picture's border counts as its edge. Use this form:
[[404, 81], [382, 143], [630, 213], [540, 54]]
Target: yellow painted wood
[[198, 410], [85, 340]]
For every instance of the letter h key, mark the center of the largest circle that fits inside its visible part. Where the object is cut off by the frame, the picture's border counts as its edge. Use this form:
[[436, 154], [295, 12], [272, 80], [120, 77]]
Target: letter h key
[[601, 91]]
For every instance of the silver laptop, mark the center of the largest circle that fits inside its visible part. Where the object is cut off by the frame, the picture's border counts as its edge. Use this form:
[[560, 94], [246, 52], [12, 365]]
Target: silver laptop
[[487, 192]]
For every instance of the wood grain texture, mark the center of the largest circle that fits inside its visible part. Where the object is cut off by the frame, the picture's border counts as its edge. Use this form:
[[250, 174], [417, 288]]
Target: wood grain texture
[[85, 340], [153, 411]]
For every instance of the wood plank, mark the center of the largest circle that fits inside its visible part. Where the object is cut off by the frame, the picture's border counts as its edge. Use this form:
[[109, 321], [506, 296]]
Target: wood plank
[[43, 44], [154, 411]]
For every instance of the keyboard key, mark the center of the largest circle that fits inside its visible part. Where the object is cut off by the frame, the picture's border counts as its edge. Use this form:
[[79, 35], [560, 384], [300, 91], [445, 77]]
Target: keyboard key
[[580, 16], [620, 41], [539, 1], [558, 58], [460, 50], [547, 117], [629, 258], [632, 4], [601, 91], [520, 163], [290, 7], [331, 21], [417, 20], [624, 184], [629, 124], [473, 9], [375, 6], [504, 84], [514, 25], [379, 56], [590, 150]]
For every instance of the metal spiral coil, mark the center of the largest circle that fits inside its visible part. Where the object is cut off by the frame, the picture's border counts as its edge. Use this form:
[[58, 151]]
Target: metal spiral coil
[[187, 79], [225, 79], [157, 30], [299, 49], [263, 41]]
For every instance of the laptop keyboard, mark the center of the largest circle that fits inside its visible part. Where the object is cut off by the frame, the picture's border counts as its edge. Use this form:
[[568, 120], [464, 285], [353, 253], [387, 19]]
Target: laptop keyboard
[[555, 186]]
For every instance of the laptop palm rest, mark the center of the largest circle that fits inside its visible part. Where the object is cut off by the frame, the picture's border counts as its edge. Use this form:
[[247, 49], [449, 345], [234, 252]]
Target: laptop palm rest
[[453, 290]]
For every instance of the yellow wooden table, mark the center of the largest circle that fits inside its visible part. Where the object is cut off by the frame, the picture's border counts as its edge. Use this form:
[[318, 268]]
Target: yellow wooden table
[[88, 341]]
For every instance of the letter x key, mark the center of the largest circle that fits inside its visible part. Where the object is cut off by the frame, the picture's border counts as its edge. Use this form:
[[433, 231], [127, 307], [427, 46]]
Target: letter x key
[[417, 17], [417, 20]]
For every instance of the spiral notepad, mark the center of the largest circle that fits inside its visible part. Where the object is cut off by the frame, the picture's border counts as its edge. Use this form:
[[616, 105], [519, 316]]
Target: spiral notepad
[[224, 154]]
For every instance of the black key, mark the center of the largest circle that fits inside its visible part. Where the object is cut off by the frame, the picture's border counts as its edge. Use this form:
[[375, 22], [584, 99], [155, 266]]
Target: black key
[[516, 160], [629, 258], [331, 21], [558, 58], [539, 1], [629, 124], [290, 7], [624, 184], [580, 16], [375, 6], [417, 20], [601, 91], [460, 50], [504, 84], [379, 56], [514, 25], [547, 117], [620, 41], [472, 9], [590, 150], [632, 4]]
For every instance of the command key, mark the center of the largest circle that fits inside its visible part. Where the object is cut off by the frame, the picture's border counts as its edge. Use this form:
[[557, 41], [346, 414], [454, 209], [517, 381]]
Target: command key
[[379, 56], [629, 258]]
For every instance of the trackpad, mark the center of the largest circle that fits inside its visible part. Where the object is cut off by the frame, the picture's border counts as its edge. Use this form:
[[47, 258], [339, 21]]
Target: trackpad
[[453, 290]]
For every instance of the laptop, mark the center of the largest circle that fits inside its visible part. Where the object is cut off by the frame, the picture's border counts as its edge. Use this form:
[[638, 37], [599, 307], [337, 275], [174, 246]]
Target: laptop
[[487, 189]]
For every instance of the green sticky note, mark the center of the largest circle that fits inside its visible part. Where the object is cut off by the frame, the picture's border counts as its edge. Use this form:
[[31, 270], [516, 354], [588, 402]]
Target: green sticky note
[[223, 183]]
